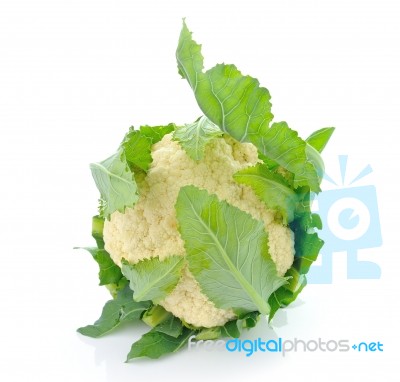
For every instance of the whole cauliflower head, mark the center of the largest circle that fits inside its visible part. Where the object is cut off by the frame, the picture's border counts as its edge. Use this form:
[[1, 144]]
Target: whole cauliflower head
[[149, 229]]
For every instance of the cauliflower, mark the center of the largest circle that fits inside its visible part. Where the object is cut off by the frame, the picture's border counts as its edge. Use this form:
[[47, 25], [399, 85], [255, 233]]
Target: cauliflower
[[205, 227], [150, 228]]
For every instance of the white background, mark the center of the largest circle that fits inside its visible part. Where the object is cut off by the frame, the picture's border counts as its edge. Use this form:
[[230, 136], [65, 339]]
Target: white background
[[74, 75]]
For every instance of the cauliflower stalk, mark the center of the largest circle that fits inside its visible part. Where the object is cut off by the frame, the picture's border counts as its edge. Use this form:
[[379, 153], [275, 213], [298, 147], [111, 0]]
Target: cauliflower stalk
[[205, 227]]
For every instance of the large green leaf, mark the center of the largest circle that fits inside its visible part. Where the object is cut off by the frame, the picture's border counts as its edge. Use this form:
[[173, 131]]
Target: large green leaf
[[193, 137], [122, 308], [241, 108], [152, 279], [154, 344], [236, 103], [116, 184], [271, 188], [227, 251]]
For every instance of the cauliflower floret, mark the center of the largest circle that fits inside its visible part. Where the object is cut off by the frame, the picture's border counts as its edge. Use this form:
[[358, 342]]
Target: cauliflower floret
[[150, 228]]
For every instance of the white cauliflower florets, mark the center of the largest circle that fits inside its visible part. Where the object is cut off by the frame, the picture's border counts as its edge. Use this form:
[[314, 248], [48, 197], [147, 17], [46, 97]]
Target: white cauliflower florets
[[150, 228]]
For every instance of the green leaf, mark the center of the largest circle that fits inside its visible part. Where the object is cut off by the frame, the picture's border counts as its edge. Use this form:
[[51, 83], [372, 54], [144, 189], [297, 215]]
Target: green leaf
[[307, 248], [241, 108], [123, 308], [154, 344], [189, 57], [272, 165], [137, 149], [271, 188], [276, 301], [109, 272], [115, 288], [171, 326], [315, 158], [152, 279], [116, 184], [97, 230], [316, 221], [156, 133], [231, 329], [283, 145], [318, 139], [137, 144], [236, 103], [307, 221], [227, 251], [194, 137], [251, 319], [307, 244], [285, 295]]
